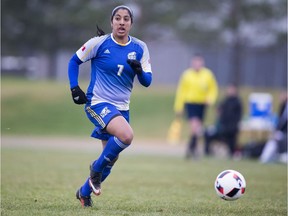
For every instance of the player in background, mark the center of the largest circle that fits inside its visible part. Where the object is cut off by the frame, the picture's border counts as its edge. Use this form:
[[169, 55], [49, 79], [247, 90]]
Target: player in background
[[197, 88], [226, 127], [116, 59]]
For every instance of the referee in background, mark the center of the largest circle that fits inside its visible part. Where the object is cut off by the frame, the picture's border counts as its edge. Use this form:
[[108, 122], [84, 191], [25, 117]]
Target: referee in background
[[197, 88]]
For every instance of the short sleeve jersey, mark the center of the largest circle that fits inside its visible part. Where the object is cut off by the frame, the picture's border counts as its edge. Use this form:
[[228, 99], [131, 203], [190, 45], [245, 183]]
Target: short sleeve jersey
[[111, 76]]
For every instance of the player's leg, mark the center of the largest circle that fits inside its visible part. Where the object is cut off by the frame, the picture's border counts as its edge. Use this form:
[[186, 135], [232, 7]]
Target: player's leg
[[195, 125], [83, 194], [86, 201], [211, 134], [107, 170], [208, 134], [85, 190], [114, 123], [195, 114], [122, 136], [231, 142]]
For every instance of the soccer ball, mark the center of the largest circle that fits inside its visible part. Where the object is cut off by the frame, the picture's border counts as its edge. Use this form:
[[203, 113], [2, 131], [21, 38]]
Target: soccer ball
[[230, 185]]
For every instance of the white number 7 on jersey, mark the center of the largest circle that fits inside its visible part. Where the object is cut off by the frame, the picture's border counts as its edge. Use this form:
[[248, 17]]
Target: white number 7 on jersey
[[120, 70]]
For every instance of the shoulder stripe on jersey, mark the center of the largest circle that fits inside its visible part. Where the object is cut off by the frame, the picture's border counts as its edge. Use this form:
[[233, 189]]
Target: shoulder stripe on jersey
[[145, 60], [90, 45]]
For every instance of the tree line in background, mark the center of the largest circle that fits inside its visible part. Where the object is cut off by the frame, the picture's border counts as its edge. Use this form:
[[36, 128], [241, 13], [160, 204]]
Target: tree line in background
[[33, 26]]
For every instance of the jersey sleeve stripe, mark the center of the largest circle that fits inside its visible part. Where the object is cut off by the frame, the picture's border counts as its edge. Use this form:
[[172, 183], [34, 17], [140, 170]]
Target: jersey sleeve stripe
[[90, 48]]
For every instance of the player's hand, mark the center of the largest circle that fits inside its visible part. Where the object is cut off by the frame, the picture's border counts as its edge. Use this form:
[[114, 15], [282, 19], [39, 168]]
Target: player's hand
[[135, 65], [78, 95]]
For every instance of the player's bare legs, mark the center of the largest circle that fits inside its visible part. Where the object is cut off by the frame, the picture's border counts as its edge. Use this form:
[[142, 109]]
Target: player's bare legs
[[120, 128], [195, 125]]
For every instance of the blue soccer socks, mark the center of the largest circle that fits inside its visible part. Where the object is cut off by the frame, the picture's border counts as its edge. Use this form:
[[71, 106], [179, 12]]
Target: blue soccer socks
[[105, 162], [106, 172], [86, 189], [113, 147]]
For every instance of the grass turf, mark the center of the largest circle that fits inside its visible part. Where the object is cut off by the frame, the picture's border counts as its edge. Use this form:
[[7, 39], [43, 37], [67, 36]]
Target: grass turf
[[36, 182], [46, 108]]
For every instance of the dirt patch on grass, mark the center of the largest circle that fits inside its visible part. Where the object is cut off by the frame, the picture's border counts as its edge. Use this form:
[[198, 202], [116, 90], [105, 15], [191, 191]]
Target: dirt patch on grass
[[152, 147]]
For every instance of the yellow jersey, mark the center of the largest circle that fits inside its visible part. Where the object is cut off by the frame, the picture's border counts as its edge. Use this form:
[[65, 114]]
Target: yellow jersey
[[199, 87]]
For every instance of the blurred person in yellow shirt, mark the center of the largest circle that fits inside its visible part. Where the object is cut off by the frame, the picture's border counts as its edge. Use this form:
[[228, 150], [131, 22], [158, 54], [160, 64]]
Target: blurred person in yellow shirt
[[197, 88]]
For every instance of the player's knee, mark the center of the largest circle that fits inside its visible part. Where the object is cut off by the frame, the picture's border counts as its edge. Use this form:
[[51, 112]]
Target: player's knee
[[127, 137]]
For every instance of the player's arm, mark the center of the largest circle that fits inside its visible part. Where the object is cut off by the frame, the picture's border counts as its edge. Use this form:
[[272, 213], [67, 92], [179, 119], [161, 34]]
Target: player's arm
[[180, 96], [78, 95], [73, 70], [145, 78], [213, 90], [85, 53], [142, 68]]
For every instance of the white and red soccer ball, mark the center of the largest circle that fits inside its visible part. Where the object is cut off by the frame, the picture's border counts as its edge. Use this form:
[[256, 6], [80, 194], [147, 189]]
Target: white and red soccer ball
[[230, 185]]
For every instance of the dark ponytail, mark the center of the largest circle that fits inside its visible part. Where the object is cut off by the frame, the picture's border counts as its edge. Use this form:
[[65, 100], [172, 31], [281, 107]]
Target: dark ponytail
[[100, 32]]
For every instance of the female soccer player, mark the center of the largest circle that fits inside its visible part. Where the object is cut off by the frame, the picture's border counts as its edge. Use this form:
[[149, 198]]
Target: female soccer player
[[197, 88], [116, 59]]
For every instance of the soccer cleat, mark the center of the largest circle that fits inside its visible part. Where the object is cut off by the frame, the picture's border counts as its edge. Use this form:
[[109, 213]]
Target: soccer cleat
[[86, 201], [95, 182]]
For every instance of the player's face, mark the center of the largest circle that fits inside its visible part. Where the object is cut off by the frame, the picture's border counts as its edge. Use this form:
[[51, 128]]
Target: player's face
[[231, 90], [121, 24], [197, 63]]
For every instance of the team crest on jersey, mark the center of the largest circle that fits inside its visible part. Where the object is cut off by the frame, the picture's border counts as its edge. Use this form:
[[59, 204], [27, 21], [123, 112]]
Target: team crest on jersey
[[132, 55], [104, 112]]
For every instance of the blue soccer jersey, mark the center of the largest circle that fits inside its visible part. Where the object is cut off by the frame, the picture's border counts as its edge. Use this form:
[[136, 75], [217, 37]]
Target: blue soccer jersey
[[111, 76]]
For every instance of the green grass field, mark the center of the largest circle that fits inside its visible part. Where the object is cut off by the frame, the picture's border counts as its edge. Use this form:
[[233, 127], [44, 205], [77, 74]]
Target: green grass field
[[46, 108], [38, 182], [44, 181]]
